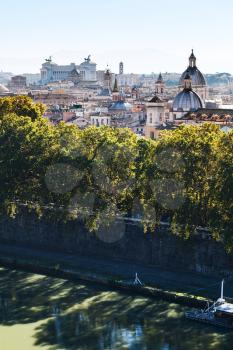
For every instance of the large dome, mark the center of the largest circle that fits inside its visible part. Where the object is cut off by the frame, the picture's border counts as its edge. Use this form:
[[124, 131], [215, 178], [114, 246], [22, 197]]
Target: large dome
[[196, 76], [186, 101]]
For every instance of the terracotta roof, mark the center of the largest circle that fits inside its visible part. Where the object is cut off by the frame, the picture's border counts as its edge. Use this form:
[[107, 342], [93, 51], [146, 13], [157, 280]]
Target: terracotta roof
[[210, 114]]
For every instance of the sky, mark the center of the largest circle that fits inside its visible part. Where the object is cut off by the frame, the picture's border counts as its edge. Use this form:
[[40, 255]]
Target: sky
[[147, 35]]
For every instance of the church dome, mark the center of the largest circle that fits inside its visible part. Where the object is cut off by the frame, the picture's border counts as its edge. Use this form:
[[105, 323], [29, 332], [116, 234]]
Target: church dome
[[197, 77], [186, 101], [120, 106]]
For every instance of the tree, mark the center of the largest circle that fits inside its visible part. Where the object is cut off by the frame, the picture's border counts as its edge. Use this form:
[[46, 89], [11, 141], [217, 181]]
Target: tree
[[180, 177], [221, 219], [101, 174], [21, 106], [26, 148]]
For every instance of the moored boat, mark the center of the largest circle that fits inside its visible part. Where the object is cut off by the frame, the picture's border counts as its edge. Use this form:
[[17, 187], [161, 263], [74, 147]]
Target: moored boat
[[220, 313]]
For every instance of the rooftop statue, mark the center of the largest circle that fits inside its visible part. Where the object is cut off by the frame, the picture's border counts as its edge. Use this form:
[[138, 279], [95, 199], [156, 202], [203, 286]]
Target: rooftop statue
[[88, 58], [49, 60]]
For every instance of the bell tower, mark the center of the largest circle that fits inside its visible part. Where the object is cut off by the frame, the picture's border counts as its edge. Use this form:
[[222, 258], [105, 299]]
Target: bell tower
[[115, 91], [160, 85], [121, 68], [108, 78]]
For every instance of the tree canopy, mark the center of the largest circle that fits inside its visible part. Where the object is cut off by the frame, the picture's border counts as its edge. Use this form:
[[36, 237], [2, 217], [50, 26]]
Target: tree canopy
[[22, 106], [100, 174]]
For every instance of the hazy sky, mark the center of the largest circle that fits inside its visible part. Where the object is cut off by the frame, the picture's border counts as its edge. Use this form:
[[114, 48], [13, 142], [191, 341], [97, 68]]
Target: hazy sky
[[147, 35]]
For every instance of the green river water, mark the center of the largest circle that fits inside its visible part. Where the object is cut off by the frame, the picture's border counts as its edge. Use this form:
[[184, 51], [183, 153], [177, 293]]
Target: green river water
[[38, 312]]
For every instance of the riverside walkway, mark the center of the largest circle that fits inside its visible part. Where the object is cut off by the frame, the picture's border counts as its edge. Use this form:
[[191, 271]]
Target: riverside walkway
[[177, 281]]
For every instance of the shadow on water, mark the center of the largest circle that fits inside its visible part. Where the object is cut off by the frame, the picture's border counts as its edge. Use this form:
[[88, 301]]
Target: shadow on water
[[78, 317]]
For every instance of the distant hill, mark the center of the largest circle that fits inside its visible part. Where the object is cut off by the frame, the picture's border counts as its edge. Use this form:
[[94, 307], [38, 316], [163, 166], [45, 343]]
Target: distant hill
[[216, 79]]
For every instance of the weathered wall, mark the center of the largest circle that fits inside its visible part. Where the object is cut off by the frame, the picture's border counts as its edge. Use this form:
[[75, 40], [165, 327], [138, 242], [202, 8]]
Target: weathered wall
[[160, 249]]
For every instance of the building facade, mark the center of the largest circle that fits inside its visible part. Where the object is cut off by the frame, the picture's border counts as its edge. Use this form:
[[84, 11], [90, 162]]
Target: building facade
[[51, 72], [128, 79], [99, 119], [18, 82]]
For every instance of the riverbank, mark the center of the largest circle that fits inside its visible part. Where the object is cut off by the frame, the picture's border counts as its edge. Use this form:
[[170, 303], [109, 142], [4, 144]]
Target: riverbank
[[161, 249], [187, 289], [51, 313]]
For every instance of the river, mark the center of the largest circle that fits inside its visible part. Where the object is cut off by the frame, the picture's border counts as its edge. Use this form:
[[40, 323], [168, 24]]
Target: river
[[38, 312]]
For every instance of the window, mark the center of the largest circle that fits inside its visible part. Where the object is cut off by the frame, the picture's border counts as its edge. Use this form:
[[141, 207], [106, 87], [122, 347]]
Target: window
[[152, 135], [150, 120]]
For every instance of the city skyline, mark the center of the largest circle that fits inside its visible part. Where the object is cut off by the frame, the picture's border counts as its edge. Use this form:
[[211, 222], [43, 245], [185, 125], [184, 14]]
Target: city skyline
[[147, 36]]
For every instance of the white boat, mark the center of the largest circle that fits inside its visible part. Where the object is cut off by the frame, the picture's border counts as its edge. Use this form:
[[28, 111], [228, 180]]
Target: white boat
[[220, 313]]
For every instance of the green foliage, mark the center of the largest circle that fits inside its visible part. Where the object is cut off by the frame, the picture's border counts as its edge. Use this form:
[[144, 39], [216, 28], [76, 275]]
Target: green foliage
[[22, 106], [100, 174]]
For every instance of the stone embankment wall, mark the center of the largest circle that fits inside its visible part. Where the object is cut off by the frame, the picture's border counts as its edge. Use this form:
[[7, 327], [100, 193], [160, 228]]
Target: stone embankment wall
[[127, 242]]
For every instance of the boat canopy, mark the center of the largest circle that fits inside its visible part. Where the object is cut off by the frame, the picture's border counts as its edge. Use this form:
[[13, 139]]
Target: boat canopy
[[226, 308]]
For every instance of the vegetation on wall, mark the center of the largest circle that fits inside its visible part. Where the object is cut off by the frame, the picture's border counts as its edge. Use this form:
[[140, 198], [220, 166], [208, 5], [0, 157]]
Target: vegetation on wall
[[100, 174]]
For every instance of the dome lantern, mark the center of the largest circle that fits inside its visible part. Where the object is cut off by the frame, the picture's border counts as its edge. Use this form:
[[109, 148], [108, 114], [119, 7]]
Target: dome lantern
[[187, 82], [192, 60]]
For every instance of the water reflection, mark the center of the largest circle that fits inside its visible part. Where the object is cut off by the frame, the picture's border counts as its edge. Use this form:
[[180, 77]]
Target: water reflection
[[78, 317], [3, 308]]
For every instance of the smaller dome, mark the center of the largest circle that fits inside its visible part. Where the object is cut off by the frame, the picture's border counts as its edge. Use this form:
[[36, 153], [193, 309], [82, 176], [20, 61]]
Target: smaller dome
[[186, 101], [120, 106]]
